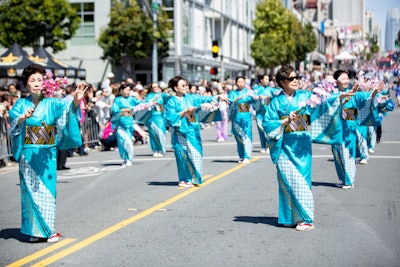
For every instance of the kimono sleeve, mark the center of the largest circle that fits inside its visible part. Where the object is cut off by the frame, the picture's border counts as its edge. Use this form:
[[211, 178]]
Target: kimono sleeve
[[326, 125], [17, 130], [69, 134], [365, 107], [207, 116], [272, 126], [172, 113]]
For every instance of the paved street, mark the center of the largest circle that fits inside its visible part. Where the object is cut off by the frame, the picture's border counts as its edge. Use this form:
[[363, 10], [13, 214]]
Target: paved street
[[137, 216]]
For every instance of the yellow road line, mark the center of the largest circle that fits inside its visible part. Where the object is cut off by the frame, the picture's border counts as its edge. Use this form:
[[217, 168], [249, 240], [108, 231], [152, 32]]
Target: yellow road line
[[41, 253], [86, 242]]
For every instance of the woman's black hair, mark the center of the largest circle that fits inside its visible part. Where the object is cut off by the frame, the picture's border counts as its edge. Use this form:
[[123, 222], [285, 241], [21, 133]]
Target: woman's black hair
[[31, 69], [174, 82], [282, 74], [239, 77], [337, 74], [122, 87]]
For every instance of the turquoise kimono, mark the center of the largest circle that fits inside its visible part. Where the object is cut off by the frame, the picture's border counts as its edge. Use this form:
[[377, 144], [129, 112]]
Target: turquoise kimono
[[290, 149], [186, 136], [53, 124], [240, 114], [358, 110], [124, 125], [156, 125], [260, 106]]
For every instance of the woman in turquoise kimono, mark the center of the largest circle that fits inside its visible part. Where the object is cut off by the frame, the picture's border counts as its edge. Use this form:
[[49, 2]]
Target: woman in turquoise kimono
[[156, 124], [240, 113], [287, 125], [38, 127], [180, 114], [122, 120], [358, 107], [265, 94]]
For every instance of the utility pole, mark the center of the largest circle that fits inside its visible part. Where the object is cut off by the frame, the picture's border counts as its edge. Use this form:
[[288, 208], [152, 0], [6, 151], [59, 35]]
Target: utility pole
[[155, 6], [178, 22], [153, 11]]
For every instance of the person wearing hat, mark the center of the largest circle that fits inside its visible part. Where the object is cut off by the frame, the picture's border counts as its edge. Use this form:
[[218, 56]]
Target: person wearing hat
[[138, 91], [106, 84]]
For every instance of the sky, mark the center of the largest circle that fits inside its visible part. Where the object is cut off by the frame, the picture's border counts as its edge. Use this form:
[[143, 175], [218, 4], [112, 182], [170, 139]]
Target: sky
[[380, 8]]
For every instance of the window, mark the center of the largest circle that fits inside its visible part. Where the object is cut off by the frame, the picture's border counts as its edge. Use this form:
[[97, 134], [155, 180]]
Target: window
[[85, 35], [169, 8]]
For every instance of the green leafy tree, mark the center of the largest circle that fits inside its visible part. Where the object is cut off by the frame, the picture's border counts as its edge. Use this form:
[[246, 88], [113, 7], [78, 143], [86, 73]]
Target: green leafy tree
[[274, 42], [306, 40], [25, 22], [129, 34], [373, 48]]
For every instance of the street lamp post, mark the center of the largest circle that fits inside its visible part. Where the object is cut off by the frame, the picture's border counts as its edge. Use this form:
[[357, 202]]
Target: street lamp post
[[154, 6]]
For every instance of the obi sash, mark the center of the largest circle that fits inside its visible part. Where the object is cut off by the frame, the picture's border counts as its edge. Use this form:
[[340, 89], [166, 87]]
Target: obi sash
[[349, 114], [159, 107], [40, 135], [299, 124], [191, 116], [244, 107], [126, 113]]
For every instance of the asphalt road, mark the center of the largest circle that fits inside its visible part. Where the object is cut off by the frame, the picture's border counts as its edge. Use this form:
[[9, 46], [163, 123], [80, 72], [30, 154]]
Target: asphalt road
[[137, 216]]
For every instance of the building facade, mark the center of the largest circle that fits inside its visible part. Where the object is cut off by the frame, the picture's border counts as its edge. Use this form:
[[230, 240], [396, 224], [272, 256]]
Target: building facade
[[392, 27], [199, 23], [196, 24]]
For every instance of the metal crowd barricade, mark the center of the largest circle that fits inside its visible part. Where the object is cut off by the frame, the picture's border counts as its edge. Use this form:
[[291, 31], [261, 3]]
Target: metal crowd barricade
[[5, 139], [90, 129], [90, 132]]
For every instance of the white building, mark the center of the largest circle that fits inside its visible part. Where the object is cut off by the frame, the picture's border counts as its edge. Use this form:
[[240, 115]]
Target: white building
[[82, 49], [196, 24], [349, 13], [392, 27]]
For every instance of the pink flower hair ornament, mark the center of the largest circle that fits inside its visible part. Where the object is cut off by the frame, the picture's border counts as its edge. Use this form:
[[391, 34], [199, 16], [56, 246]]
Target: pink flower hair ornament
[[51, 85]]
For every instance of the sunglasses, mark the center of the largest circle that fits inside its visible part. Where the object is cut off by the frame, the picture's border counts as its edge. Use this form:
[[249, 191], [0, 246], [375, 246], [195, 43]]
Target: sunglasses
[[291, 79]]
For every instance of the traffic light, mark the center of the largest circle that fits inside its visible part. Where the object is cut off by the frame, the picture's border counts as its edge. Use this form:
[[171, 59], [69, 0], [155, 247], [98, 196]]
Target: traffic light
[[47, 34], [215, 48], [396, 44], [214, 71]]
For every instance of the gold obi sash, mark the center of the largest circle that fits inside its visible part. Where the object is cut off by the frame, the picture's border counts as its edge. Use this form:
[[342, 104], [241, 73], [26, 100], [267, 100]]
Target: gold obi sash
[[299, 124], [159, 107], [191, 116], [349, 114], [126, 113], [40, 135], [244, 107]]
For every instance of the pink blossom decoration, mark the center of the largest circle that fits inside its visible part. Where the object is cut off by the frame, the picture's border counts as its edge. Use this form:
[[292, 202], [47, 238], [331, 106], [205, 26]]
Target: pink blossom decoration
[[143, 106], [367, 84], [321, 92], [50, 85]]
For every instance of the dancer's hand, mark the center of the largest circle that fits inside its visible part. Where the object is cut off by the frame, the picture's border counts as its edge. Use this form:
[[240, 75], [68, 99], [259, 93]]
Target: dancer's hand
[[80, 93]]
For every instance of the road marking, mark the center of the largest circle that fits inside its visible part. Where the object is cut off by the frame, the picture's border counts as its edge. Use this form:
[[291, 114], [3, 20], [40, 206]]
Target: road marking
[[86, 242], [41, 253]]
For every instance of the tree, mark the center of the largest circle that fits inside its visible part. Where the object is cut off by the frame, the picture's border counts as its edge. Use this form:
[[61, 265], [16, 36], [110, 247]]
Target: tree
[[306, 40], [25, 22], [129, 34], [274, 42]]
